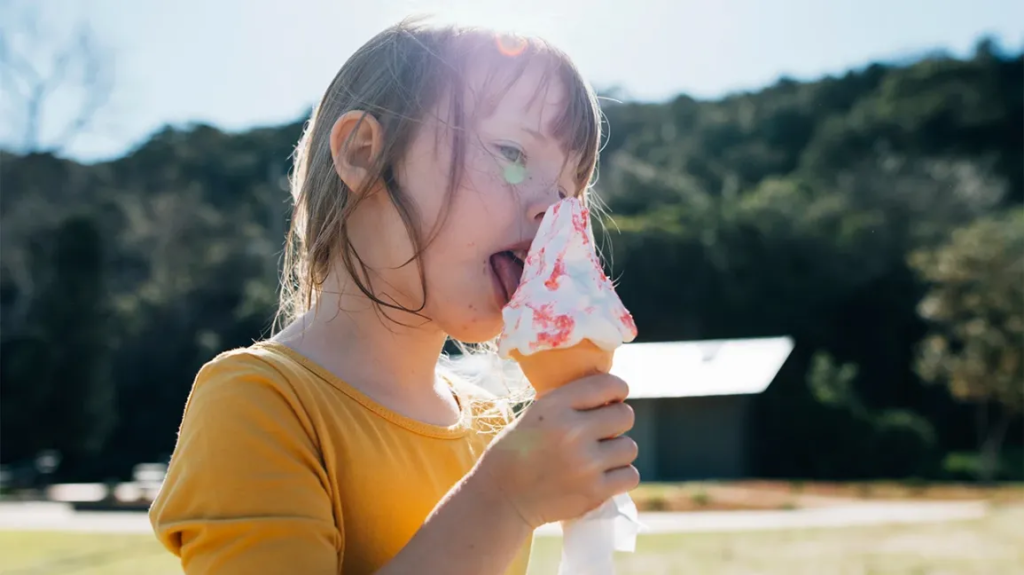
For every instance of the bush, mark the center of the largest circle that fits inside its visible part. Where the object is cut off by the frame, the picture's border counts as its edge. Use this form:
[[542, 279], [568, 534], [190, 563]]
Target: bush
[[965, 466], [905, 445], [851, 455], [700, 498]]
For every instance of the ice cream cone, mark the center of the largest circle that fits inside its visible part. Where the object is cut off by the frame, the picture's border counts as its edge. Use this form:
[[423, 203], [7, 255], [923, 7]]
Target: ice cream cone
[[564, 322], [552, 368]]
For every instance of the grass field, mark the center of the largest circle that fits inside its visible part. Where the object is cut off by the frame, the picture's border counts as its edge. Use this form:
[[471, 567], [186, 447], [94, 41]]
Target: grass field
[[994, 545]]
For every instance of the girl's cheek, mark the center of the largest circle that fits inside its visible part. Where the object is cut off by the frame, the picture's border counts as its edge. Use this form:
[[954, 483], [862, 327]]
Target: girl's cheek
[[485, 172], [529, 183]]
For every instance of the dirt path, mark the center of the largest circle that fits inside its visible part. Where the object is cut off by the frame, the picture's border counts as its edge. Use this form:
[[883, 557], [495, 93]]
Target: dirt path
[[58, 517]]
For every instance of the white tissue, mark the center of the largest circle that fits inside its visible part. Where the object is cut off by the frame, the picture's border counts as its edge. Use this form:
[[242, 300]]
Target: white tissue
[[589, 543]]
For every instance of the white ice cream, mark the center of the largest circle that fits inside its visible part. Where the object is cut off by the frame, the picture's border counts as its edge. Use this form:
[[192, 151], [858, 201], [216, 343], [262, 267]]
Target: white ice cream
[[564, 296]]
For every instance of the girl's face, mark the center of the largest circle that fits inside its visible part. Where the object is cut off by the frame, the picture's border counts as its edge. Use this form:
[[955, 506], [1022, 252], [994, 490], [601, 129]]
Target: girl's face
[[513, 170]]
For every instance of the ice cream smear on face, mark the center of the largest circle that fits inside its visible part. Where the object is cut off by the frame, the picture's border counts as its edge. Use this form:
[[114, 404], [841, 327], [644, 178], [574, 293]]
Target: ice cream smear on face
[[564, 296]]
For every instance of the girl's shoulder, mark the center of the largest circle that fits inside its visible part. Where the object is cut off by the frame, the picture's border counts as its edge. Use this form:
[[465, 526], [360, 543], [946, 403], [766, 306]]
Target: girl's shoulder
[[260, 368], [261, 359]]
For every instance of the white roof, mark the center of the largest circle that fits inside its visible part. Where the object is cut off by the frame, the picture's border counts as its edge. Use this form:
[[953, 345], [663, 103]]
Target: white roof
[[671, 369], [701, 368]]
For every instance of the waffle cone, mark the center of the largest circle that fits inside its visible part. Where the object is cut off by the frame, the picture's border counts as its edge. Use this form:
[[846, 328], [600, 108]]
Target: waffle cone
[[551, 369]]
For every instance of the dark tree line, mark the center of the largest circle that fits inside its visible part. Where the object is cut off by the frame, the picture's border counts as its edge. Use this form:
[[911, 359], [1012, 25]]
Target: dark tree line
[[811, 209]]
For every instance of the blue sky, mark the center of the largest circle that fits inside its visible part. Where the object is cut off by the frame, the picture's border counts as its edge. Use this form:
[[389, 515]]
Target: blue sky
[[237, 63]]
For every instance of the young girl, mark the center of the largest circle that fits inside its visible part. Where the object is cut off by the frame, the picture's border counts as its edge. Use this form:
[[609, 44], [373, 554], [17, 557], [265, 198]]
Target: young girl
[[335, 447]]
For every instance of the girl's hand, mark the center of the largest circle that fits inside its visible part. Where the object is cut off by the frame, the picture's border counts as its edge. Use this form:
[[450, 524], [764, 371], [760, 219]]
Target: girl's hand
[[566, 454]]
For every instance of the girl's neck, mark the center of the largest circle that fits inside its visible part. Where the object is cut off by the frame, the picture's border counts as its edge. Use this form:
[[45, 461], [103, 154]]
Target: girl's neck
[[392, 363]]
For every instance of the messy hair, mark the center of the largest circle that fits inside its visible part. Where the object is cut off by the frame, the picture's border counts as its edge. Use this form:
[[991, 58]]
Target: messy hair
[[399, 77]]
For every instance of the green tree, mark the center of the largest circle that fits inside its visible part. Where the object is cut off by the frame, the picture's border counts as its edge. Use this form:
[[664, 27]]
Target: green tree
[[64, 394], [786, 210], [976, 312], [73, 311], [833, 385], [891, 442]]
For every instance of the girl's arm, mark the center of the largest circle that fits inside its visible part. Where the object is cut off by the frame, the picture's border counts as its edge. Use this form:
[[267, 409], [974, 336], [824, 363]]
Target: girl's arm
[[563, 457]]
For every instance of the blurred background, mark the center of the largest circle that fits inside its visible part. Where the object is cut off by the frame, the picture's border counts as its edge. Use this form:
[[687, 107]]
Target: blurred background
[[846, 176]]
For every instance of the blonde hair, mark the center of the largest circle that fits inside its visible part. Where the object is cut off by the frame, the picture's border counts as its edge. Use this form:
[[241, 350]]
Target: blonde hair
[[398, 77]]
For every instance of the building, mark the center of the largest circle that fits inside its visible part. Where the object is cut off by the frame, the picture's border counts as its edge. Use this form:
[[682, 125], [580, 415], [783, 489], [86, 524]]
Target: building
[[692, 400], [692, 403]]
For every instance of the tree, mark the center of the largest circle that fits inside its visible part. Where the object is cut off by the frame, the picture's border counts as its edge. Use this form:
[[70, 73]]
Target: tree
[[975, 311], [58, 390], [832, 384], [789, 210], [54, 88], [890, 442]]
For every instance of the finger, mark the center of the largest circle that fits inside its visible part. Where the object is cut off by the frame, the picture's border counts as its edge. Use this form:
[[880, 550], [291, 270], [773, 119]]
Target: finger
[[608, 421], [618, 452], [595, 391], [621, 480]]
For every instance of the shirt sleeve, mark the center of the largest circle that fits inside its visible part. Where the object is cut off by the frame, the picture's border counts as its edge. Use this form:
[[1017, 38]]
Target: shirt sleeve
[[246, 491]]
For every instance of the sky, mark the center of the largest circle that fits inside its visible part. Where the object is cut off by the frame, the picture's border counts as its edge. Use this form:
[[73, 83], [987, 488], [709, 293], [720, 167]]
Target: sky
[[238, 64]]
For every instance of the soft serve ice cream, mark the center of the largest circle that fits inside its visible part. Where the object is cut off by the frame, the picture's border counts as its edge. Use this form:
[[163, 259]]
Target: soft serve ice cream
[[564, 298], [564, 322]]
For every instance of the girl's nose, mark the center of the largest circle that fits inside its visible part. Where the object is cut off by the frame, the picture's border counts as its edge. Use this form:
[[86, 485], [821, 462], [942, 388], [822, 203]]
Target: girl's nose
[[543, 198]]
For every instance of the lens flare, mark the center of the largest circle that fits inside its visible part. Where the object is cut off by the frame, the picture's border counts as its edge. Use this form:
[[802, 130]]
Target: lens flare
[[510, 45], [515, 173]]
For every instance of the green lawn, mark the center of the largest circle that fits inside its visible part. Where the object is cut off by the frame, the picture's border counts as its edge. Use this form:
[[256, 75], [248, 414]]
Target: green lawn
[[45, 553], [994, 545]]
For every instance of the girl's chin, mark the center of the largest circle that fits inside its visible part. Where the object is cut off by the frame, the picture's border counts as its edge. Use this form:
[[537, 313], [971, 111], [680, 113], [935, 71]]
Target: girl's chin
[[480, 329]]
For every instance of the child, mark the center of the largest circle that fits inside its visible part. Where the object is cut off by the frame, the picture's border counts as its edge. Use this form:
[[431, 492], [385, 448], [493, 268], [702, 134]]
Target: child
[[335, 447]]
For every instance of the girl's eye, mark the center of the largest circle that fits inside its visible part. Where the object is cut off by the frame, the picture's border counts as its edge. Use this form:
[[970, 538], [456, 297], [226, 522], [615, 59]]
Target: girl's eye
[[511, 153]]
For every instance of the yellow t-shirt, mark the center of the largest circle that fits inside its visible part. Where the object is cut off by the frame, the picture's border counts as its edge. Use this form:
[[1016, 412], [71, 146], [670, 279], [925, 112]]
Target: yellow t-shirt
[[281, 468]]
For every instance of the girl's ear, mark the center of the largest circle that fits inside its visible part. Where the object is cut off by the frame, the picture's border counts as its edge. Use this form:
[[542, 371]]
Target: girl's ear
[[356, 142]]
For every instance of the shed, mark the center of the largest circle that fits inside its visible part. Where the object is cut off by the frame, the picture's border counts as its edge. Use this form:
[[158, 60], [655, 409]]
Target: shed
[[692, 403]]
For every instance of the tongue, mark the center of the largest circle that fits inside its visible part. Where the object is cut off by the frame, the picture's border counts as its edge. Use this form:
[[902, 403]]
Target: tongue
[[509, 271]]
